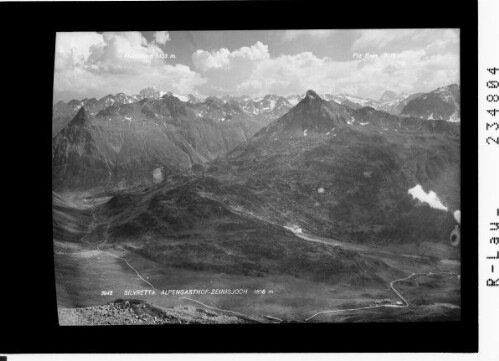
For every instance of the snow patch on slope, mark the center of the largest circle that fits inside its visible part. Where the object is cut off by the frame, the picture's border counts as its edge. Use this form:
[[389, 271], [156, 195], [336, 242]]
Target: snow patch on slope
[[429, 198]]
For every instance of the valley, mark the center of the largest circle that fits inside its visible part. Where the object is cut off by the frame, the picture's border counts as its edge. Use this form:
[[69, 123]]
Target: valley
[[98, 266]]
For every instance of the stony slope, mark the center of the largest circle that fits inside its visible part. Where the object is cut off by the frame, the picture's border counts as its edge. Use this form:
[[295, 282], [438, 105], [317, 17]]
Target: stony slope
[[137, 312]]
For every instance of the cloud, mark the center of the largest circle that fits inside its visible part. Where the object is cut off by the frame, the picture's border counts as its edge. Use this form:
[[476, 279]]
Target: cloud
[[122, 53], [376, 38], [161, 37], [205, 60], [403, 39], [292, 74], [91, 64], [252, 71], [72, 49], [318, 34], [407, 71], [223, 58]]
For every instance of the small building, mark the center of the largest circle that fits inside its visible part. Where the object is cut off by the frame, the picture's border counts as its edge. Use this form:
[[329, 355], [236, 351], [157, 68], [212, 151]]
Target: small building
[[385, 301]]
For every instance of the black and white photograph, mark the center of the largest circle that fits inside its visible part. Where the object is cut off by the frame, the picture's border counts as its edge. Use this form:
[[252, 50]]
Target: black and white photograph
[[257, 176]]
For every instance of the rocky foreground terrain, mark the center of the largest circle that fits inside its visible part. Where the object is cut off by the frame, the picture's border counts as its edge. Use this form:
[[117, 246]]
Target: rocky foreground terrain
[[136, 312]]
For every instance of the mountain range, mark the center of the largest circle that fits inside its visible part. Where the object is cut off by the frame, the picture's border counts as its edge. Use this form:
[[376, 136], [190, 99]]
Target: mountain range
[[442, 103], [122, 139], [317, 144], [310, 199], [270, 107]]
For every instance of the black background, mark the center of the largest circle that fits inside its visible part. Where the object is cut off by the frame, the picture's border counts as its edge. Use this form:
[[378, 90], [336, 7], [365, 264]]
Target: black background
[[28, 303]]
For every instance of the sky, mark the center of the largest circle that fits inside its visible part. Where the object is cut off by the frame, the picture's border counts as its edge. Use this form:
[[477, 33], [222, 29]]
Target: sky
[[255, 62]]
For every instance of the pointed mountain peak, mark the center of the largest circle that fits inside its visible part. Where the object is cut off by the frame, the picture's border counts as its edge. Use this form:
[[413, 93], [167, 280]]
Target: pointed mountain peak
[[311, 98], [174, 96], [81, 118], [311, 95], [311, 116], [170, 97]]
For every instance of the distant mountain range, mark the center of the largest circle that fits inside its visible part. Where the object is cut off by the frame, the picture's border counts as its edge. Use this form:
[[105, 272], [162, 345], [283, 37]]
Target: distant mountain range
[[126, 142], [261, 110], [442, 103], [121, 139]]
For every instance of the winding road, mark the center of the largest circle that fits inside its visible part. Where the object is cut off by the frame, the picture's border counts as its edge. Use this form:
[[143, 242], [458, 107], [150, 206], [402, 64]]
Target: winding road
[[406, 304], [129, 265], [90, 229]]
